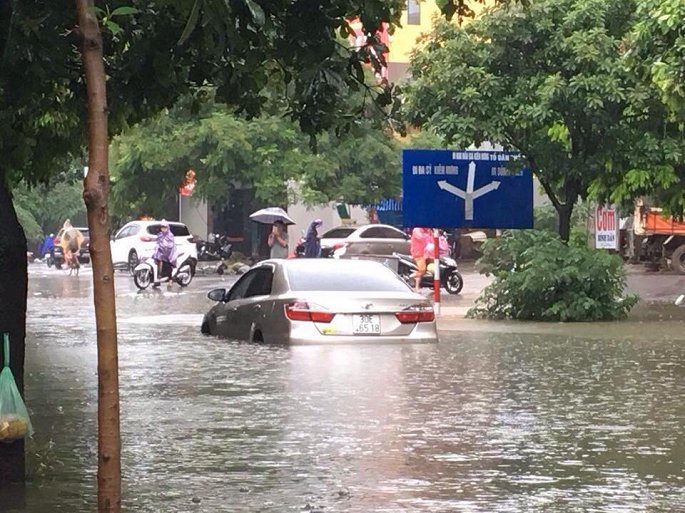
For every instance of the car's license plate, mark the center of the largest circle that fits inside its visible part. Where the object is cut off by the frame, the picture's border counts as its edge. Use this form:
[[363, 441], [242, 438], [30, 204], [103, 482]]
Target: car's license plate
[[366, 324]]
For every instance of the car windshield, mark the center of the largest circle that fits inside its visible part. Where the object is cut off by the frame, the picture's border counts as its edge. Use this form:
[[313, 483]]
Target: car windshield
[[338, 233], [346, 279]]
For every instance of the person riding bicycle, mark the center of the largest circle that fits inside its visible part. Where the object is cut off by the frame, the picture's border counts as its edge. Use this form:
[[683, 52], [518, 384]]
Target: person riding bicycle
[[165, 251]]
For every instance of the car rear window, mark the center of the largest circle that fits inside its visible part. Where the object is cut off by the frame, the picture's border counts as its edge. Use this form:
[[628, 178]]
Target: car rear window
[[347, 279], [179, 230], [338, 233]]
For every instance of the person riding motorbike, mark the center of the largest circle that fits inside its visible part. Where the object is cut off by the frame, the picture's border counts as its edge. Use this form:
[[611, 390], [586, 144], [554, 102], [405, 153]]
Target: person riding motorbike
[[312, 244], [165, 252], [70, 242], [420, 238]]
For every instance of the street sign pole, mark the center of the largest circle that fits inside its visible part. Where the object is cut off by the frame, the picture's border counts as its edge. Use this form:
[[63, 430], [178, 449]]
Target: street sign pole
[[436, 270]]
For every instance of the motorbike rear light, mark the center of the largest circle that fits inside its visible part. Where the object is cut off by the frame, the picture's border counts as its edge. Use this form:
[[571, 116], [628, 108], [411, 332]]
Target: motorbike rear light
[[303, 311], [414, 314]]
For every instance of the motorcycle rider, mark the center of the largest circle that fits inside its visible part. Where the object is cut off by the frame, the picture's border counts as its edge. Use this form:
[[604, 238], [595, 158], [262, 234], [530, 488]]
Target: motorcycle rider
[[312, 244], [165, 252], [420, 238], [70, 242]]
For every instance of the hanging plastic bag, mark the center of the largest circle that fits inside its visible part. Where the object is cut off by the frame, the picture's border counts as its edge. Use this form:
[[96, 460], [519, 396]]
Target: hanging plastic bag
[[15, 423]]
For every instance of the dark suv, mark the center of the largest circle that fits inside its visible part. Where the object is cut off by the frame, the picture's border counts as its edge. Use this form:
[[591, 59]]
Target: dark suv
[[56, 258]]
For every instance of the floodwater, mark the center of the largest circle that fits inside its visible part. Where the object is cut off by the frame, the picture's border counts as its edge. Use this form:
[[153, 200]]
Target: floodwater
[[557, 418]]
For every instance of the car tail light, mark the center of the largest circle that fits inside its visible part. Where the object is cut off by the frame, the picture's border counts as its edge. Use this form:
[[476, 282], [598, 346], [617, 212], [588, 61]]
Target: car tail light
[[147, 238], [416, 313], [303, 311], [56, 240], [339, 245]]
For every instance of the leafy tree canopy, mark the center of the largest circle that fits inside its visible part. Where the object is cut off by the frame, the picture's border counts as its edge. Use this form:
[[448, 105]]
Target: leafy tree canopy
[[268, 153], [657, 47], [50, 204], [549, 81]]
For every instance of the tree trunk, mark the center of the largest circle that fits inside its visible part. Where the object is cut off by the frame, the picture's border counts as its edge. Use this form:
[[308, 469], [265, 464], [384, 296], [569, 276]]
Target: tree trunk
[[95, 194], [564, 212], [13, 283]]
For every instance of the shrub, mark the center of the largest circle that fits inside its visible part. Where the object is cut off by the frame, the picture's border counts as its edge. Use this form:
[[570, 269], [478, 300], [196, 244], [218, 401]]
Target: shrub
[[538, 277]]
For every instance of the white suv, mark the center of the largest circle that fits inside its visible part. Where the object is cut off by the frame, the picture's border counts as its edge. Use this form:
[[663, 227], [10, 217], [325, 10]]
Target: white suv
[[136, 240]]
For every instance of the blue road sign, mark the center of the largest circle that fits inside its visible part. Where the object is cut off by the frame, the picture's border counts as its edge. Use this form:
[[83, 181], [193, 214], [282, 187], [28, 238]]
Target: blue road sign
[[454, 189]]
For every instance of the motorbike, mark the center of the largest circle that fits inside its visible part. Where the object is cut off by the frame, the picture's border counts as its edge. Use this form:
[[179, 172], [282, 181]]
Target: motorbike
[[450, 277], [216, 248], [146, 272]]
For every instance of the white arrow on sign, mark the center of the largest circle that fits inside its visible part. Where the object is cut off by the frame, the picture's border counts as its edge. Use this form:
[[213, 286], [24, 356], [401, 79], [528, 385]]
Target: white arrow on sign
[[469, 194]]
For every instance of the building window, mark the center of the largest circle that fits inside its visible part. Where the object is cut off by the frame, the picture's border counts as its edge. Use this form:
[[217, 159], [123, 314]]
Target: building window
[[413, 12]]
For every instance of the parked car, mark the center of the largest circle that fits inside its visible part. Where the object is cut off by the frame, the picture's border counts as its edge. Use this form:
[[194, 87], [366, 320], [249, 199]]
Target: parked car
[[320, 301], [56, 257], [136, 240], [368, 239]]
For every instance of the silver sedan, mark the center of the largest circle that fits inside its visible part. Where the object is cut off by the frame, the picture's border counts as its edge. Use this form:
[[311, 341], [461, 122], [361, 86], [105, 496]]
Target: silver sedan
[[320, 301]]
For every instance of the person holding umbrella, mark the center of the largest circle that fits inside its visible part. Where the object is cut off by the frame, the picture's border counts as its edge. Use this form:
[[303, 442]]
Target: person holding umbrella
[[312, 244], [278, 240]]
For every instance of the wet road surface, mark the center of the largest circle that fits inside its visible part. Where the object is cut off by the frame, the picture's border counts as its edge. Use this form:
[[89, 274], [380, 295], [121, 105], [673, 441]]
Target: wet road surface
[[492, 419]]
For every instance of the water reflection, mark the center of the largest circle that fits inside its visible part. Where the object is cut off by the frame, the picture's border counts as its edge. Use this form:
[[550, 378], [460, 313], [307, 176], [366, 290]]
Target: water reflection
[[482, 422]]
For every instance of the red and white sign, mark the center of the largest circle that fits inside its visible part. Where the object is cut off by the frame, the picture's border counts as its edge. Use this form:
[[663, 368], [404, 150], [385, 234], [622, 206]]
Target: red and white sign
[[606, 228], [188, 185]]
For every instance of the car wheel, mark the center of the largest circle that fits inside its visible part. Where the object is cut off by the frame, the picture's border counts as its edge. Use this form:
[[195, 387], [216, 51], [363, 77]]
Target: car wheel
[[204, 329], [258, 337], [454, 283], [133, 260]]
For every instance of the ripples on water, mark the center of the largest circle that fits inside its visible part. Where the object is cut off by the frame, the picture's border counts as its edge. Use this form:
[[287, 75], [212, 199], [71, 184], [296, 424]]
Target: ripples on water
[[481, 422]]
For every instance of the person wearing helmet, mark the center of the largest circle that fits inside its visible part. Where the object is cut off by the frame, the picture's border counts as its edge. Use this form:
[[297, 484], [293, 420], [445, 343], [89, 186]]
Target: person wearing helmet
[[165, 251]]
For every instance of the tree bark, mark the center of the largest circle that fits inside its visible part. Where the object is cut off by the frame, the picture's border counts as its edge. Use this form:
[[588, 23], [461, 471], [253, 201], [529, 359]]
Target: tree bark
[[13, 284], [95, 195], [564, 212]]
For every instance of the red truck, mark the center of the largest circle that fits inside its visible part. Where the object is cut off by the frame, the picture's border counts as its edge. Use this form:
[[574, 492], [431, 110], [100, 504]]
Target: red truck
[[656, 239]]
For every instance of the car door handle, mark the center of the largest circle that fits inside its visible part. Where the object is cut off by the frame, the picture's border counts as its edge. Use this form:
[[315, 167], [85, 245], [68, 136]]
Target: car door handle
[[257, 308]]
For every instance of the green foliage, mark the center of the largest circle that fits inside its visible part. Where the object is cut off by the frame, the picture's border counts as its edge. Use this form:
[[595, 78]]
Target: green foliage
[[269, 154], [32, 229], [49, 205], [158, 50], [657, 49], [539, 278], [547, 218], [550, 81]]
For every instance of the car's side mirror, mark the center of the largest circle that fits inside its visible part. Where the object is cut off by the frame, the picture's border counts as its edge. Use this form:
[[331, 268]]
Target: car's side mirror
[[217, 294]]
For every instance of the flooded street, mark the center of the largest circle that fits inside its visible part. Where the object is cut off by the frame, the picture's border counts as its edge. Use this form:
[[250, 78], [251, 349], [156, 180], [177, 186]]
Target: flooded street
[[494, 418]]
